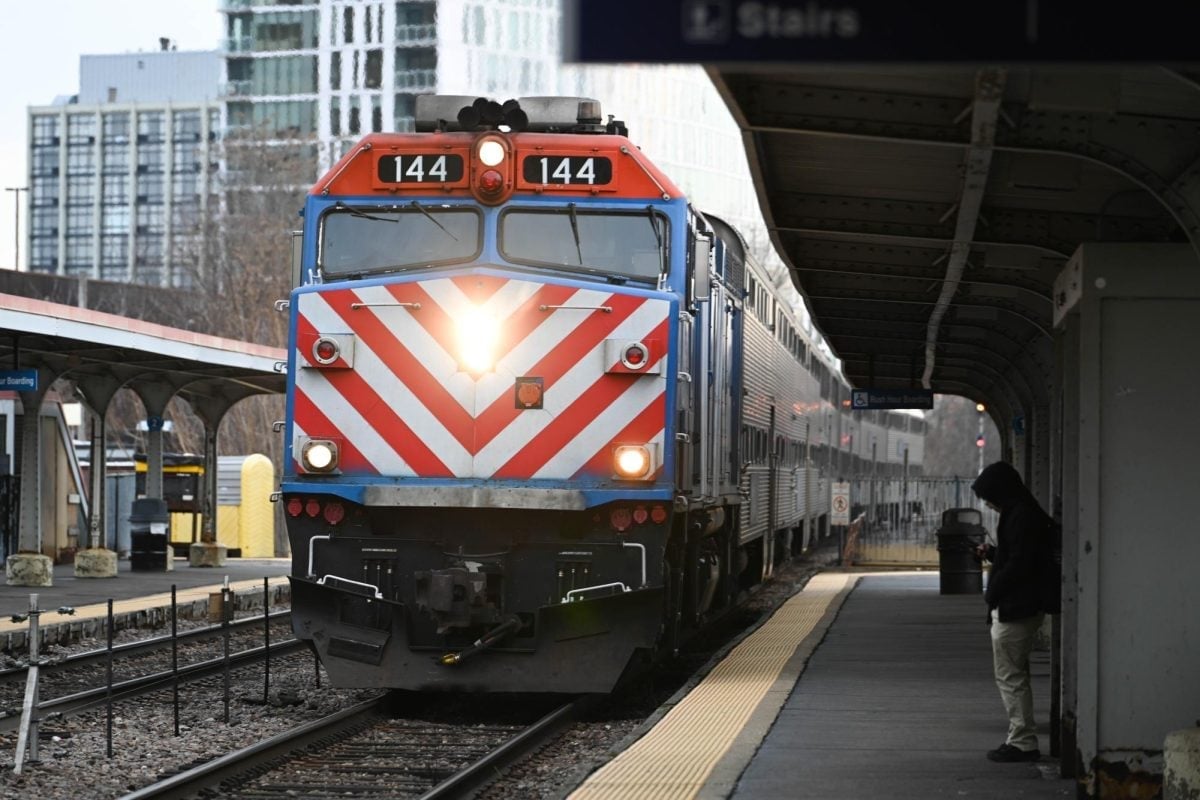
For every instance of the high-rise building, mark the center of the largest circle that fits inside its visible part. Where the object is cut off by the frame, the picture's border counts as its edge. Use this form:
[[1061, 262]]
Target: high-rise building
[[119, 173]]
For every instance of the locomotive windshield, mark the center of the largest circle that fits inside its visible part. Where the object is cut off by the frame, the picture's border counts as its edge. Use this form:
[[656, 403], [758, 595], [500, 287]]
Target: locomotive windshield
[[372, 239], [628, 245]]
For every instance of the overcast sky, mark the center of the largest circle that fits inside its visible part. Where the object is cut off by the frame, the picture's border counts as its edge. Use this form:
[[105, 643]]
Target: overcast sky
[[40, 60]]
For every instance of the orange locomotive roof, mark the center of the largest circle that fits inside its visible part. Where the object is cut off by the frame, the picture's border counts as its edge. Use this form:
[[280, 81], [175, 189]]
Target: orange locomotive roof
[[630, 174]]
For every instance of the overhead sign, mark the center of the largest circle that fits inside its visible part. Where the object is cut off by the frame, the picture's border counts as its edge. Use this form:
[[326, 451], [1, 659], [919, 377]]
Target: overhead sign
[[712, 31], [19, 380], [871, 399], [839, 504]]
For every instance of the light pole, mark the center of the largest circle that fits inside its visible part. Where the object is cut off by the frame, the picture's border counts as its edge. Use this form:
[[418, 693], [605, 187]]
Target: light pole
[[979, 440], [16, 190]]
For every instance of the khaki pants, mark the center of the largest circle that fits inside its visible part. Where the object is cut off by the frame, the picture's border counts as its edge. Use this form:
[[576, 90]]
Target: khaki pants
[[1011, 644]]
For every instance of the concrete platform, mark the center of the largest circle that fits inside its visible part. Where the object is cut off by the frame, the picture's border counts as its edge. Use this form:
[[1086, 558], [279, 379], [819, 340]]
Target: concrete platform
[[898, 701], [141, 599], [862, 686]]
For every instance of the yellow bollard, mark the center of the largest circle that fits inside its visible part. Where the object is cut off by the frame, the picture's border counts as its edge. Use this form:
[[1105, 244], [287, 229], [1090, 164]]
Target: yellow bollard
[[257, 517]]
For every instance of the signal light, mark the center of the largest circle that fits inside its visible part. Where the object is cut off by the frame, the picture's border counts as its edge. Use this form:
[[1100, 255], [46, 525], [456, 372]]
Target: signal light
[[326, 351], [295, 507], [491, 183], [491, 152], [334, 512], [312, 507], [621, 519], [979, 440], [319, 455], [632, 461], [635, 356], [980, 407], [640, 515], [658, 514]]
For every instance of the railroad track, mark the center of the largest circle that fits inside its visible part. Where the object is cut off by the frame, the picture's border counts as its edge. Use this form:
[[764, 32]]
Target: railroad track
[[49, 666], [90, 698], [361, 752]]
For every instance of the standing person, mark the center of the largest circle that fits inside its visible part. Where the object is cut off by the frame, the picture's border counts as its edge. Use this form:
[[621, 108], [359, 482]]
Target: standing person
[[1022, 588]]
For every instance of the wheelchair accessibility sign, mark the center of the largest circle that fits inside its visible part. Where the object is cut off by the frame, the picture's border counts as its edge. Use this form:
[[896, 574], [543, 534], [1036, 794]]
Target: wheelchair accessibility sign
[[870, 399]]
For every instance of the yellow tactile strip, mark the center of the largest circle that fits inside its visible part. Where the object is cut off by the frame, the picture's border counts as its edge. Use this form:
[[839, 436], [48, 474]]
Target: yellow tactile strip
[[676, 756], [161, 600]]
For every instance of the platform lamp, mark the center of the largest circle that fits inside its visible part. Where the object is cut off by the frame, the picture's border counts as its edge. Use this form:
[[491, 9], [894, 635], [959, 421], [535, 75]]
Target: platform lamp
[[16, 190], [979, 440]]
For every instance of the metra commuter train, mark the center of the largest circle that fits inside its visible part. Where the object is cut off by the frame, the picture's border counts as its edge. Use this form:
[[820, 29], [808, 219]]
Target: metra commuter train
[[544, 418]]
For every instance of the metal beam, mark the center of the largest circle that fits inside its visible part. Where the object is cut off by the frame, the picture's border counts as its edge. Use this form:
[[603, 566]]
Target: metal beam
[[989, 90], [852, 299], [912, 241], [1118, 162]]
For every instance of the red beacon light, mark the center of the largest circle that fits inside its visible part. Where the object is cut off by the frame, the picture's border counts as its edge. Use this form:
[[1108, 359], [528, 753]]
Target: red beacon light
[[491, 183]]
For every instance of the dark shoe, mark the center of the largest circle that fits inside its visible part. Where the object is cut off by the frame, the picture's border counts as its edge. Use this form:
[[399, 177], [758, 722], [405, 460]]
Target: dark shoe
[[1006, 753]]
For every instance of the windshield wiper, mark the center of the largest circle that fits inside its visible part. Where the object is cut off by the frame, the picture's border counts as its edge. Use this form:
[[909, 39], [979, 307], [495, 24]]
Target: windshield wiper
[[354, 212], [575, 231], [433, 219], [654, 226]]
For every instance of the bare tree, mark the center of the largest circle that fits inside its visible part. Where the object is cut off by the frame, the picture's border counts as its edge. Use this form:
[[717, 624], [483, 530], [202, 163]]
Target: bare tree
[[239, 264], [950, 447]]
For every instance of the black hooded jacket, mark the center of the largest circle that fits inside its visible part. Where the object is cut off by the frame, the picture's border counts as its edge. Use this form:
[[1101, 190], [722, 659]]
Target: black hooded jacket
[[1025, 574]]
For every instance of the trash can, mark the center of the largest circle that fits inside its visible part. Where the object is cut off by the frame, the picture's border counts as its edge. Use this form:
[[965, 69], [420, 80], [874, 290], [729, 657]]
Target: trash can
[[960, 533], [149, 522]]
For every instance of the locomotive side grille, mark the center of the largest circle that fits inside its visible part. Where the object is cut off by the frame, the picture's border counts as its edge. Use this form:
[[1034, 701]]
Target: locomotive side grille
[[572, 575]]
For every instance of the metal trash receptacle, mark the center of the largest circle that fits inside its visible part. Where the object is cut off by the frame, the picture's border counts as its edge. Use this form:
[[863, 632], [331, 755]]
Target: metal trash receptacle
[[149, 521], [959, 570]]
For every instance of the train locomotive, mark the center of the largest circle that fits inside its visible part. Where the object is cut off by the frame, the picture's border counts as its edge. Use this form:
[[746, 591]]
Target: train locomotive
[[544, 418]]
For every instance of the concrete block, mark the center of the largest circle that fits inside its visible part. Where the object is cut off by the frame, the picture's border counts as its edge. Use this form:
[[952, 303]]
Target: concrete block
[[29, 569], [96, 563], [1181, 768], [206, 554]]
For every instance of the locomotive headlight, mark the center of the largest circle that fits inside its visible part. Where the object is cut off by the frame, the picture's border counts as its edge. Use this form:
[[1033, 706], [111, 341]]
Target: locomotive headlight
[[319, 455], [632, 461], [477, 332], [491, 152]]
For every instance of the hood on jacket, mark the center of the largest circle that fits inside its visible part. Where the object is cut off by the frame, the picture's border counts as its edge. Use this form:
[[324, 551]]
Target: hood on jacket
[[999, 484]]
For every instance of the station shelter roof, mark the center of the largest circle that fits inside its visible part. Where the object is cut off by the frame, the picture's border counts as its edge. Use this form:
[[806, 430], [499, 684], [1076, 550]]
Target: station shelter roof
[[66, 341]]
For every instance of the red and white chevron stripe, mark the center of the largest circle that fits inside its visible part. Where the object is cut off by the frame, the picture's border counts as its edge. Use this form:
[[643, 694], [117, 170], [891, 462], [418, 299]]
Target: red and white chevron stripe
[[408, 408]]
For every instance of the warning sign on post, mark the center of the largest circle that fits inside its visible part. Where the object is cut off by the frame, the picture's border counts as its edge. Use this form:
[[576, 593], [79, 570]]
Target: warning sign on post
[[839, 504]]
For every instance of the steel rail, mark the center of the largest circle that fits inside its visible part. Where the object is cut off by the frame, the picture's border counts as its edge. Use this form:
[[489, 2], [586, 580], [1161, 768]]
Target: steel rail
[[99, 654], [486, 768], [248, 759], [81, 701], [187, 783]]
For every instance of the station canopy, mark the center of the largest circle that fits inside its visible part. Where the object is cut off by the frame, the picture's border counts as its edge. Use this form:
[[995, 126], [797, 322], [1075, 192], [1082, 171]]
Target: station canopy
[[926, 210], [107, 352]]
